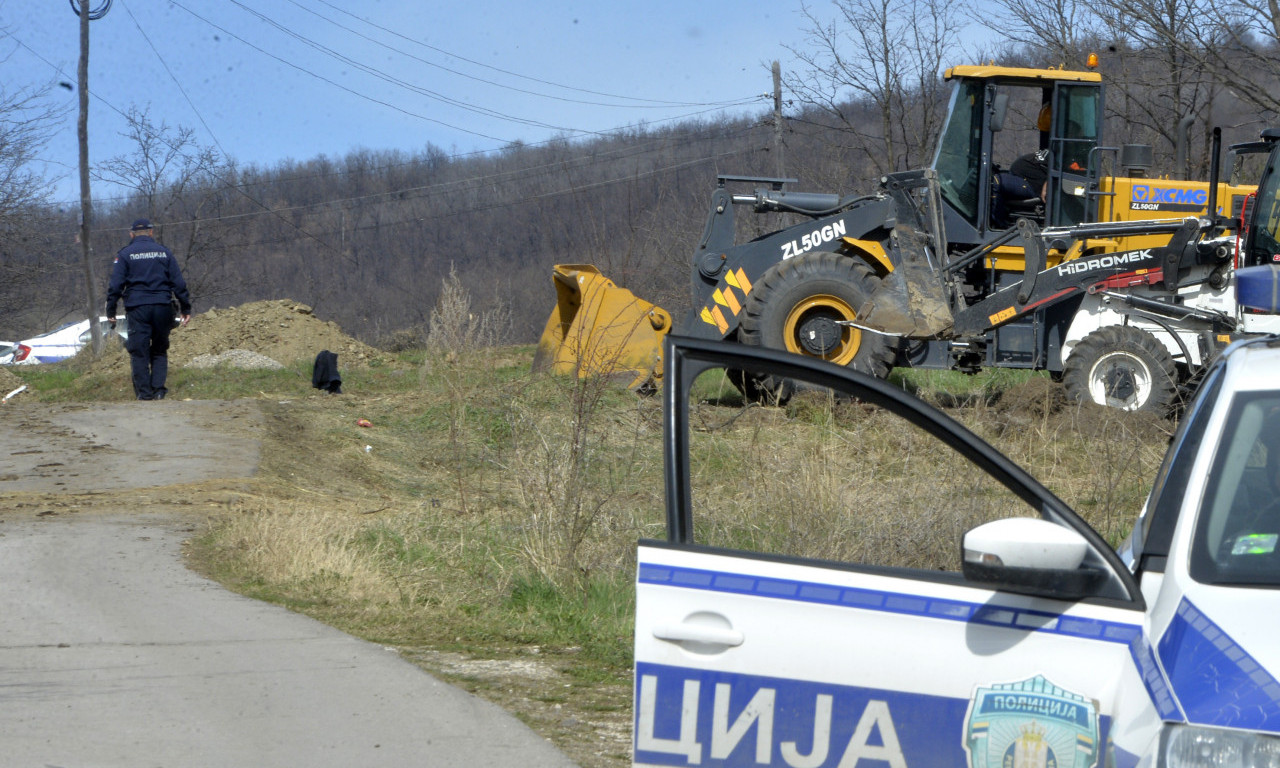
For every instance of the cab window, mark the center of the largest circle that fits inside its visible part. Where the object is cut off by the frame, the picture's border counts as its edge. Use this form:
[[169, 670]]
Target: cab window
[[1077, 112], [1076, 120], [1264, 237], [960, 151]]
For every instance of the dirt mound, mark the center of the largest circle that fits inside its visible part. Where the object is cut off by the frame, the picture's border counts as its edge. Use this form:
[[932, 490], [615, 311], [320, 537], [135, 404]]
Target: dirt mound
[[282, 330], [8, 382]]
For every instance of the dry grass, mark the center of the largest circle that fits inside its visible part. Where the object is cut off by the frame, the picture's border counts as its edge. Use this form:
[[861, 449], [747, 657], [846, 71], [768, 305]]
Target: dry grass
[[495, 514], [498, 512], [850, 483], [513, 480], [314, 548]]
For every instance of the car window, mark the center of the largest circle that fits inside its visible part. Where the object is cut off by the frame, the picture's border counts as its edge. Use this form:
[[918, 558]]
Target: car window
[[832, 477], [835, 480], [1237, 538], [1170, 487]]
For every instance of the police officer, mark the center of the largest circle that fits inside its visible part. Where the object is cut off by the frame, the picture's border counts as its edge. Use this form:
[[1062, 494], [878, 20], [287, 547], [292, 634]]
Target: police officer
[[146, 275]]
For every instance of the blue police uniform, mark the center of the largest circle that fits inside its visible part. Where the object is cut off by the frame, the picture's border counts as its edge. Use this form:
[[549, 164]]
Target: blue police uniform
[[145, 274]]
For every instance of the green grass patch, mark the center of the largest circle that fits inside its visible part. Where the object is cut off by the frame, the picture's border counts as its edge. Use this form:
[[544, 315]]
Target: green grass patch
[[954, 386]]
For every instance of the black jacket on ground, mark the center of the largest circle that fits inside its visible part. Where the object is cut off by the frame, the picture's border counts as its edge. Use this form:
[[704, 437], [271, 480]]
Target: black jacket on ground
[[325, 373]]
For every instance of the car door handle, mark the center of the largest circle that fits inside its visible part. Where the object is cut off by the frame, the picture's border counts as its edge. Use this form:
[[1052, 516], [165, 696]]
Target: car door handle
[[698, 633]]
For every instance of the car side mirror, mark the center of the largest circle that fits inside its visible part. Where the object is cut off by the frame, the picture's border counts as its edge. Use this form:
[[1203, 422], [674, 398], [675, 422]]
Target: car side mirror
[[1030, 556]]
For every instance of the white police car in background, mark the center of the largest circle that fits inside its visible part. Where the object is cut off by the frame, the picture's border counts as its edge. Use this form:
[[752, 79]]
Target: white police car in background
[[1049, 650], [60, 344]]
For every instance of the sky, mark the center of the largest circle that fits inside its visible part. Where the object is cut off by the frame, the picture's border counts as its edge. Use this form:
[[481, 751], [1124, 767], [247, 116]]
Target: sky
[[266, 81]]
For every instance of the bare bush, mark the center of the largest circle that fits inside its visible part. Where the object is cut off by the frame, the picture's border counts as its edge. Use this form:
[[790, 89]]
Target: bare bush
[[575, 463], [453, 328], [402, 339]]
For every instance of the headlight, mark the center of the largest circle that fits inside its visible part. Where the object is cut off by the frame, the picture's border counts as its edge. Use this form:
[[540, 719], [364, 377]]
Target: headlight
[[1188, 746]]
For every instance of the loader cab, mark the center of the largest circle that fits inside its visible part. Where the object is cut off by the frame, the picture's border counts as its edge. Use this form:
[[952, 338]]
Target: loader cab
[[1260, 233], [997, 114]]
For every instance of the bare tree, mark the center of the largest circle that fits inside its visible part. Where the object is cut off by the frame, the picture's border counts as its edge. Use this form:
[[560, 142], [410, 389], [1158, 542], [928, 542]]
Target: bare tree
[[162, 156], [1164, 83], [1238, 41], [26, 121], [28, 256], [886, 54], [1055, 31], [182, 186], [1157, 63]]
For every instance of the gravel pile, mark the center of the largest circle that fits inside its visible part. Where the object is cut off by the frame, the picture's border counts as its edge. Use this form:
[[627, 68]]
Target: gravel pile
[[234, 358]]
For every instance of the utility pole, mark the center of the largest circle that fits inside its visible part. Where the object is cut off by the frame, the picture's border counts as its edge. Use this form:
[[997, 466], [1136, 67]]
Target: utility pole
[[86, 203], [777, 117]]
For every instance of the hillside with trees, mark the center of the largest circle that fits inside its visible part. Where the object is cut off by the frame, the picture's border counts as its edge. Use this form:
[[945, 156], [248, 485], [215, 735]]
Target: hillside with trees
[[367, 239]]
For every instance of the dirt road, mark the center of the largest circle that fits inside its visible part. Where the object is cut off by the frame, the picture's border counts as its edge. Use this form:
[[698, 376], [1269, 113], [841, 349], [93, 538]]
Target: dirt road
[[112, 653]]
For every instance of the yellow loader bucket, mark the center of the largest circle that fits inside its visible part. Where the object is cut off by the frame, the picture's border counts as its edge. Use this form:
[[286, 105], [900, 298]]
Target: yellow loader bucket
[[599, 329]]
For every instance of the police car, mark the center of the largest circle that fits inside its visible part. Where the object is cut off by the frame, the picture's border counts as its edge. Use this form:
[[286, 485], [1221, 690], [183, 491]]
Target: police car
[[60, 344], [1045, 647]]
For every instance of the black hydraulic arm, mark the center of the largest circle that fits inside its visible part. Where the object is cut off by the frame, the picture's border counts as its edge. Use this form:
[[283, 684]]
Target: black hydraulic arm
[[1071, 278]]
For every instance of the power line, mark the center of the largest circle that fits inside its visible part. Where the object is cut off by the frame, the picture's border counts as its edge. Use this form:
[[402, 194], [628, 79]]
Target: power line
[[173, 77], [339, 86], [165, 140], [388, 78], [637, 102], [520, 174], [626, 150], [413, 88], [214, 137], [514, 74], [211, 171]]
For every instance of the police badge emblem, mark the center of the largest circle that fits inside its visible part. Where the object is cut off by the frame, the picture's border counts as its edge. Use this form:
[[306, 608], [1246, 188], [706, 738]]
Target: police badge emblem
[[1031, 724]]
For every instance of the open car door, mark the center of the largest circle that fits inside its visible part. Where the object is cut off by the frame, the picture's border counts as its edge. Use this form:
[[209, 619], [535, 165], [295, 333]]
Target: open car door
[[796, 614]]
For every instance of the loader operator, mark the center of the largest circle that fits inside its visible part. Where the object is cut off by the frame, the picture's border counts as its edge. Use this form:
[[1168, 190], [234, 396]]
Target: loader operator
[[146, 276], [1021, 190]]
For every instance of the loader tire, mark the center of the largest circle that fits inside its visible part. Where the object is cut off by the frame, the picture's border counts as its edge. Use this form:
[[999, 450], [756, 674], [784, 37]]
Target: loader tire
[[797, 306], [1122, 367]]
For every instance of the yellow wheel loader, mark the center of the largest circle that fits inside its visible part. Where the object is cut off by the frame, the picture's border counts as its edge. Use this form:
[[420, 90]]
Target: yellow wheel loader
[[933, 243]]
